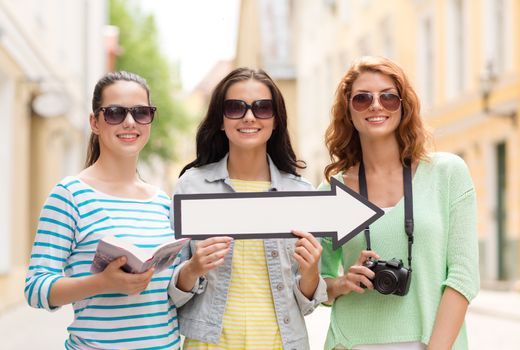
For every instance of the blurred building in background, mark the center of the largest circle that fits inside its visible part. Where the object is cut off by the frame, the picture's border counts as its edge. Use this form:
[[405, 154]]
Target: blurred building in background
[[51, 54], [463, 57], [464, 60], [265, 40], [196, 104]]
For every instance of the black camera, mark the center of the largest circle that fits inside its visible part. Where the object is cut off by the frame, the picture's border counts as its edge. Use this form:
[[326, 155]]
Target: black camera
[[391, 277]]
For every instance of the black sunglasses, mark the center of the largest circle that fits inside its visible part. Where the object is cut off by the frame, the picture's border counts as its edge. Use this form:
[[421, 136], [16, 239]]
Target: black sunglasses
[[362, 101], [116, 114], [237, 109]]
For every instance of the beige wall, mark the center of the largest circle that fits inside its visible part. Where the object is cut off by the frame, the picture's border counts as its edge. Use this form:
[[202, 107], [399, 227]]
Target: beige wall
[[250, 53], [248, 38], [288, 89], [330, 34], [11, 284], [45, 45]]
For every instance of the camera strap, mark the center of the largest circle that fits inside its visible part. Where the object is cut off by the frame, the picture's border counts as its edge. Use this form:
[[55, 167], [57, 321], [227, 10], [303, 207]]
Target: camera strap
[[408, 204]]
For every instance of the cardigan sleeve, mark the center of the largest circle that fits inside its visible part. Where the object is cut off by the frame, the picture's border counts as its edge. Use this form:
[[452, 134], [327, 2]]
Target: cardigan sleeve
[[462, 244], [330, 259]]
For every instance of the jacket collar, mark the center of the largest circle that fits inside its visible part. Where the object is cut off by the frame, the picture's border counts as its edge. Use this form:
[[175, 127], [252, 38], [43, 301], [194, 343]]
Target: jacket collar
[[219, 172]]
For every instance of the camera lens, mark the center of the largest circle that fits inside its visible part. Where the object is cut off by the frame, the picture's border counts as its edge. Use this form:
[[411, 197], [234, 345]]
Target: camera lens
[[385, 282]]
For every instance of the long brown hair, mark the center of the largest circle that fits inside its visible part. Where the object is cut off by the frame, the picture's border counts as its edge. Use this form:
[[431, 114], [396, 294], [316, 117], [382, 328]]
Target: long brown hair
[[341, 137], [212, 142], [93, 150]]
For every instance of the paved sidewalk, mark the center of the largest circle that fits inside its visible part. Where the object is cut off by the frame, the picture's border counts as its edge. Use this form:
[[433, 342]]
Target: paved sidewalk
[[23, 327], [503, 305], [493, 322]]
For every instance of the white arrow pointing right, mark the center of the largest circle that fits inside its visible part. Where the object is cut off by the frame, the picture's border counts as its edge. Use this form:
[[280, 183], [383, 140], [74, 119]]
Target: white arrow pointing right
[[340, 213]]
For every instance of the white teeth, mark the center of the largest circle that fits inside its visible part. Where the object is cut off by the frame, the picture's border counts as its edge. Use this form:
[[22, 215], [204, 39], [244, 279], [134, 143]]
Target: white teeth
[[376, 119], [127, 136], [248, 131]]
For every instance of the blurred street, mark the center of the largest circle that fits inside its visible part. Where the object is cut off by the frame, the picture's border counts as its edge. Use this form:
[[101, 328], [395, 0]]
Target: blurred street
[[462, 59], [493, 322]]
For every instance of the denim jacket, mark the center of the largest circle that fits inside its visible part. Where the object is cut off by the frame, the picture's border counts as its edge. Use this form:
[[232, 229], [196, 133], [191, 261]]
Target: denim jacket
[[201, 311]]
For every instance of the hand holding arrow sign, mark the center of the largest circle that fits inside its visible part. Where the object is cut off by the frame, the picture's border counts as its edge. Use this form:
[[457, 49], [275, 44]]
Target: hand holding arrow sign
[[339, 213]]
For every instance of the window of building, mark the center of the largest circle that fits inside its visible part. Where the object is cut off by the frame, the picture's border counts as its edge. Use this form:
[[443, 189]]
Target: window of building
[[495, 34], [6, 151], [387, 37], [344, 10], [364, 45], [499, 248], [344, 61], [365, 3], [456, 59], [330, 4], [506, 245], [426, 61]]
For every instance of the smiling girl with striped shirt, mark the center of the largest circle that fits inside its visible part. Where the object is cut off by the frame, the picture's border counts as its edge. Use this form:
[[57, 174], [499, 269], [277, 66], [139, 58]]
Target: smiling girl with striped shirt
[[112, 309]]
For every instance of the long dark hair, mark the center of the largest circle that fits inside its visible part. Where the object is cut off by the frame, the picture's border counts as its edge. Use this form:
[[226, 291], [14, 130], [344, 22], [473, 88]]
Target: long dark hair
[[93, 150], [212, 142]]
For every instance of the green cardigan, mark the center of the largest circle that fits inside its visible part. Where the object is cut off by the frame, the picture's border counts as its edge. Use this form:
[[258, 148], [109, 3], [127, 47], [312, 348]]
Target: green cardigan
[[445, 253]]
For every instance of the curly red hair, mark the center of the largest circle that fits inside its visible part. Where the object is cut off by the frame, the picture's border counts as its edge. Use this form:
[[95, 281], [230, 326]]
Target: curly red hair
[[342, 139]]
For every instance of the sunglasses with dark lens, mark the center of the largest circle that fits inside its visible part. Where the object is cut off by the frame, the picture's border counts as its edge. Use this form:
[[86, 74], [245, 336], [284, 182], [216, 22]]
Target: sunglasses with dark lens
[[116, 114], [362, 101], [237, 109]]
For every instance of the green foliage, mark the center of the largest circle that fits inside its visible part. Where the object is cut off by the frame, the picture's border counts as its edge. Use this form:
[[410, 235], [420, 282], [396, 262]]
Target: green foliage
[[141, 54]]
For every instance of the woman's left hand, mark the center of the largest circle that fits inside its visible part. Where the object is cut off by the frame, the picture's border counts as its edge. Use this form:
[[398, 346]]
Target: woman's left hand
[[307, 253]]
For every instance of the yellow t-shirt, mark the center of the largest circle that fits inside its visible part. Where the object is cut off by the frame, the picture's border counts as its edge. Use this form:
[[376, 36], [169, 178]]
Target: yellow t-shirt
[[249, 320]]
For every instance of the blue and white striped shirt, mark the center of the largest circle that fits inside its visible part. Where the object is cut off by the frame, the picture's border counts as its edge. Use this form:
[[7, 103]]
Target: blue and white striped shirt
[[74, 218]]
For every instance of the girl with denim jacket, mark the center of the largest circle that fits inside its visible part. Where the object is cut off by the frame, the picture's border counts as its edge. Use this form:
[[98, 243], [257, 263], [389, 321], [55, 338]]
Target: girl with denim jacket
[[246, 293]]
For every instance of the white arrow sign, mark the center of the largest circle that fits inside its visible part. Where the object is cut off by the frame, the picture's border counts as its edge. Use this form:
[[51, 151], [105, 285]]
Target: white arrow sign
[[340, 213]]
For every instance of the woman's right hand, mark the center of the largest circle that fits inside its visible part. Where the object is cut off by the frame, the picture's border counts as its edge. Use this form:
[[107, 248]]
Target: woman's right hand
[[208, 254], [356, 275], [114, 280]]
